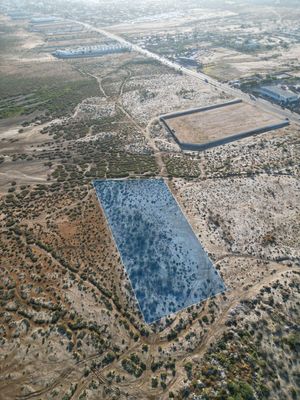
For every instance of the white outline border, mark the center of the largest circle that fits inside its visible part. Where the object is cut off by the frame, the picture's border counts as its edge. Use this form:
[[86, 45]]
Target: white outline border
[[165, 180]]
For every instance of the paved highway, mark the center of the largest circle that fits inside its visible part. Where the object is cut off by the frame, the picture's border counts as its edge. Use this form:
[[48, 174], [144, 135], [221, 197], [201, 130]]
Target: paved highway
[[261, 103]]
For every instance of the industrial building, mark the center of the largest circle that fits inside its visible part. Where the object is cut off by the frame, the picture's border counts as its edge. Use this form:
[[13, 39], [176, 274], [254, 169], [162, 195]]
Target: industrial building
[[60, 30], [43, 20], [90, 51], [15, 15], [278, 94]]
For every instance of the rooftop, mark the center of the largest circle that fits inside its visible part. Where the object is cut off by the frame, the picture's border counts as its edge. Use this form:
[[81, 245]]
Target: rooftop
[[279, 91]]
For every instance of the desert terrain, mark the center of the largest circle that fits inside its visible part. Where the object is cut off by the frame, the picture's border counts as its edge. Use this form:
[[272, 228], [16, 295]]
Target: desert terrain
[[70, 326]]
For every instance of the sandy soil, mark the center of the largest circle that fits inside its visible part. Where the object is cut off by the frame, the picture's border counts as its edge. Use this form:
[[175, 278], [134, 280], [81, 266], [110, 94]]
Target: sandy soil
[[167, 22], [220, 122], [230, 64], [23, 171]]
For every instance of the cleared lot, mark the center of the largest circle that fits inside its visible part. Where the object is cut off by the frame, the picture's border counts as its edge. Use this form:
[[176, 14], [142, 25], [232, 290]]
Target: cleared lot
[[218, 123]]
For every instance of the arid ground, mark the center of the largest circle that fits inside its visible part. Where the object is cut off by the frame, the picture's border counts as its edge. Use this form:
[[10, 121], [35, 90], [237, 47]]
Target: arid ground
[[69, 324]]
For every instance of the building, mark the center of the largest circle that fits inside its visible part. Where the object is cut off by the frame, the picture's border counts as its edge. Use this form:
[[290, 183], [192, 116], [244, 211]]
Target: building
[[43, 20], [90, 51], [15, 15], [278, 94]]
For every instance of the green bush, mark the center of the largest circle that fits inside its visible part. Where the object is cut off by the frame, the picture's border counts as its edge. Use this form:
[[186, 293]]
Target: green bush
[[240, 391]]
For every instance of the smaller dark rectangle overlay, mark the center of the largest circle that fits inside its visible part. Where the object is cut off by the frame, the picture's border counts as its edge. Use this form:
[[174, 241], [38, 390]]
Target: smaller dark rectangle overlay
[[167, 266]]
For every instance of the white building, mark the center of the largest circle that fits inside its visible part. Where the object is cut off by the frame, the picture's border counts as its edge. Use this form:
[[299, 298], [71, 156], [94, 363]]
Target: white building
[[43, 20], [90, 51], [279, 94]]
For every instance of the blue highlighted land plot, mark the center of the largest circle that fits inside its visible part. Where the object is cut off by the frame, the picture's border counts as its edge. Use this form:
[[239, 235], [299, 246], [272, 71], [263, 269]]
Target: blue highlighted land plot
[[166, 264]]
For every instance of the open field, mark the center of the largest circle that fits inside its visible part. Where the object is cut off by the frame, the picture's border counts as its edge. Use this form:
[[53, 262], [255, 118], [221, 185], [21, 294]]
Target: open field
[[227, 64], [232, 44], [242, 223], [218, 123]]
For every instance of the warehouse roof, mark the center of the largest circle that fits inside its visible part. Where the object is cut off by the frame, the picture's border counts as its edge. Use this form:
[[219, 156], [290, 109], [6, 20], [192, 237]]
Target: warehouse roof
[[279, 91]]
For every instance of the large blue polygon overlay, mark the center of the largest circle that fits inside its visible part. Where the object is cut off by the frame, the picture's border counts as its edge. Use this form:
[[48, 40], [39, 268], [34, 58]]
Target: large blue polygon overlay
[[166, 264]]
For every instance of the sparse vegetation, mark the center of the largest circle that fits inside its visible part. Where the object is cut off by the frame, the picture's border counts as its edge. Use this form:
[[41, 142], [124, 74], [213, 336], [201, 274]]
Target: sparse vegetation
[[69, 323]]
